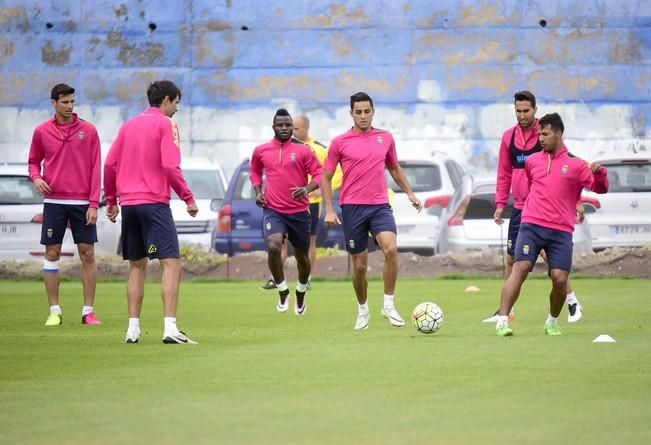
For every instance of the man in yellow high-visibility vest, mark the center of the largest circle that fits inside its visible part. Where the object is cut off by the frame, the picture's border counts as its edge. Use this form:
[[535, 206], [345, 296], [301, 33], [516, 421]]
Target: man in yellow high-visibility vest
[[302, 133]]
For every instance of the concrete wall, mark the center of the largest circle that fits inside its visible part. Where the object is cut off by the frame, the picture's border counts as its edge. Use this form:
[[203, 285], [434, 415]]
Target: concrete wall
[[442, 72]]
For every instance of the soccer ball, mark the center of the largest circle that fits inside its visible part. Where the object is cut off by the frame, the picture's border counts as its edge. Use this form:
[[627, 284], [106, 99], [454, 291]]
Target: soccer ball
[[427, 317]]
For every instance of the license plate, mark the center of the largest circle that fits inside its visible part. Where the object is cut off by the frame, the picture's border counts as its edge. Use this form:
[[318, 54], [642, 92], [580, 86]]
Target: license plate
[[632, 229], [8, 230]]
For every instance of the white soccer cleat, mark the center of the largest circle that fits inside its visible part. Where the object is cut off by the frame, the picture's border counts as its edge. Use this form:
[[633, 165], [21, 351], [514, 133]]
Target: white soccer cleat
[[132, 337], [393, 316], [362, 321], [574, 312], [179, 339], [283, 306]]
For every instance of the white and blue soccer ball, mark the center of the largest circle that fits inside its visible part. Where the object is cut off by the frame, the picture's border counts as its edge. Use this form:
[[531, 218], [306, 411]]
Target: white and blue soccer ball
[[427, 317]]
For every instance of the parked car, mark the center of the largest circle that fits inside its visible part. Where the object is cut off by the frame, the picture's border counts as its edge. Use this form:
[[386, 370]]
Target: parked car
[[239, 222], [434, 182], [468, 222], [207, 181], [21, 217], [624, 216]]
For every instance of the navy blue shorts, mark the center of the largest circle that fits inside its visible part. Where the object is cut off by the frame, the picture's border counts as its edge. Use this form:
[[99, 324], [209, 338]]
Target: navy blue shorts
[[148, 230], [55, 221], [315, 208], [557, 244], [514, 227], [296, 226], [360, 219]]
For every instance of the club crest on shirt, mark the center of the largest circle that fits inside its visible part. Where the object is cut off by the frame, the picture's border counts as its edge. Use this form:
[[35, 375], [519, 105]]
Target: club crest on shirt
[[380, 140], [525, 249], [351, 243], [292, 157], [564, 169], [82, 135]]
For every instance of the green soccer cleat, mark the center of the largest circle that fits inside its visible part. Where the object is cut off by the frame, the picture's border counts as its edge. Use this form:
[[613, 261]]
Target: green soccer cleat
[[504, 331], [54, 319], [552, 329]]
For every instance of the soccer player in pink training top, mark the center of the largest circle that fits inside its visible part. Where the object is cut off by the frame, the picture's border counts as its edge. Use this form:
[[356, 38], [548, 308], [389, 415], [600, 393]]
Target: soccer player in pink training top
[[68, 149], [518, 143], [364, 152], [141, 167], [556, 179], [286, 164]]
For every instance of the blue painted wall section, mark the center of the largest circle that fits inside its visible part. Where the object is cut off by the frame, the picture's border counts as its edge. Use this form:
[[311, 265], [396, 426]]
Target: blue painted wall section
[[246, 54]]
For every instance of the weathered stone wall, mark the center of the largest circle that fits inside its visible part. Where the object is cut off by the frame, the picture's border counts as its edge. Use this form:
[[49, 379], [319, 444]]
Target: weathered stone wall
[[442, 72]]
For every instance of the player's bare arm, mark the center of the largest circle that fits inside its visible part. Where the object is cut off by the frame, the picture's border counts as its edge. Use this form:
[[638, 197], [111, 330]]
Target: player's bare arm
[[192, 209], [91, 216], [497, 216], [331, 218], [398, 175], [112, 212], [42, 187], [260, 200], [302, 192]]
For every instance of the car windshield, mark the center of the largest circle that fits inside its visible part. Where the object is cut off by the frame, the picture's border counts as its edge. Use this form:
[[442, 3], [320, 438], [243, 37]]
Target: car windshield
[[421, 177], [482, 206], [18, 190], [629, 177], [205, 184]]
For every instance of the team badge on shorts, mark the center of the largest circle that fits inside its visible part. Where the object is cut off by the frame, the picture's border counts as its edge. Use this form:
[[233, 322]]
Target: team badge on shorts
[[564, 169], [351, 243], [152, 249], [50, 233], [380, 140], [510, 244], [267, 226], [82, 135], [525, 249]]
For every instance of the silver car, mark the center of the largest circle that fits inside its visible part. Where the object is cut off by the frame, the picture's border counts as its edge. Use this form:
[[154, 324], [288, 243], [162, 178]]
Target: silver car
[[433, 181], [624, 216], [467, 224], [21, 217]]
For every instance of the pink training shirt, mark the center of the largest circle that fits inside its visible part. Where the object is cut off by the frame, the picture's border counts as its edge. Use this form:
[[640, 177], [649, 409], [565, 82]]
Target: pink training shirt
[[363, 156], [555, 184], [511, 178], [285, 165], [145, 161], [71, 158]]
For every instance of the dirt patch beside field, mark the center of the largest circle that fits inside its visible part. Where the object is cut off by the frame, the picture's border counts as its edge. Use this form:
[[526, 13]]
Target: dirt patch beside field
[[610, 262]]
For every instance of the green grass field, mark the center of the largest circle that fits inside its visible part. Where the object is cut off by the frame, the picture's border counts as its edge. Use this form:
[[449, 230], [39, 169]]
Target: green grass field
[[259, 377]]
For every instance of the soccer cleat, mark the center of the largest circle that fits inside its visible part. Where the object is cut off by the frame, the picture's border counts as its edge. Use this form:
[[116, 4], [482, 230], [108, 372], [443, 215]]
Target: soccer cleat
[[90, 319], [132, 337], [493, 318], [283, 301], [55, 319], [574, 312], [362, 321], [300, 297], [393, 316], [503, 330], [552, 329], [269, 285], [179, 339]]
